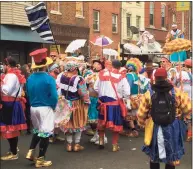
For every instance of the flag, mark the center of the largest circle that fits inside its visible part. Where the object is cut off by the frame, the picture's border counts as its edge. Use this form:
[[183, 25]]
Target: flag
[[39, 21]]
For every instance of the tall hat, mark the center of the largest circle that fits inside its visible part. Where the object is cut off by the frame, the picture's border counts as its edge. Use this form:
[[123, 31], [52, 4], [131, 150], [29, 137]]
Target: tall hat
[[40, 58], [98, 61], [134, 64]]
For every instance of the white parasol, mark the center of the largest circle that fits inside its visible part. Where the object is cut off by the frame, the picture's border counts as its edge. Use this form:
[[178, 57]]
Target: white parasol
[[132, 48], [110, 52], [75, 45]]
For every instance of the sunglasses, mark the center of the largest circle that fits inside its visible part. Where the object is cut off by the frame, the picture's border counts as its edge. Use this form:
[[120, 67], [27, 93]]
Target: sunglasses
[[53, 56]]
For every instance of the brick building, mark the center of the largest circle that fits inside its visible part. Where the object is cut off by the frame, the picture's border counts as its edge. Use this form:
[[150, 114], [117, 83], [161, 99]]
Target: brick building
[[159, 16], [104, 19], [69, 21]]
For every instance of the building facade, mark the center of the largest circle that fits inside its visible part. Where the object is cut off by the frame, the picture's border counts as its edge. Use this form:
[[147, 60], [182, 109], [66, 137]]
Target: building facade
[[159, 16], [104, 19], [132, 14], [17, 39], [69, 21]]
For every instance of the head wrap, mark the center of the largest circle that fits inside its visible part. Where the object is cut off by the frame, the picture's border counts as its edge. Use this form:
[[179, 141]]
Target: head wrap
[[71, 66], [134, 64]]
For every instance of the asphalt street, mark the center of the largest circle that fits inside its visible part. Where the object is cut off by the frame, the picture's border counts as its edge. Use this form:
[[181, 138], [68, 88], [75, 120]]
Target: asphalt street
[[129, 156]]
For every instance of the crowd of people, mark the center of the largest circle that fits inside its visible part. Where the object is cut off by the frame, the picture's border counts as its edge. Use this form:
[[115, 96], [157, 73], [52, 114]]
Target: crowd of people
[[67, 98]]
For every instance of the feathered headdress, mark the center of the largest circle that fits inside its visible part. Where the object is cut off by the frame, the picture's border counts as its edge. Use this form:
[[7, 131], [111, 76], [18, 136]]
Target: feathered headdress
[[135, 64]]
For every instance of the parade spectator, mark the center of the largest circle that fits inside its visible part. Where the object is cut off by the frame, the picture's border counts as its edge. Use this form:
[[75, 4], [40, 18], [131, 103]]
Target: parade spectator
[[42, 93], [165, 137]]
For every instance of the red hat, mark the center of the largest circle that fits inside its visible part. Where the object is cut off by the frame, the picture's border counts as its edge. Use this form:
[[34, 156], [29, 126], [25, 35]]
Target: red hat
[[160, 72], [188, 62], [40, 58]]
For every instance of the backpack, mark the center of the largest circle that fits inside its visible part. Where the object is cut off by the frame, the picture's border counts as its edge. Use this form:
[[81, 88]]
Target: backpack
[[163, 109]]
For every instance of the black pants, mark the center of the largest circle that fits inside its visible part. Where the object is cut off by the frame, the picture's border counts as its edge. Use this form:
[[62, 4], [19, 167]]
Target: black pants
[[43, 146], [13, 145], [28, 115], [157, 166]]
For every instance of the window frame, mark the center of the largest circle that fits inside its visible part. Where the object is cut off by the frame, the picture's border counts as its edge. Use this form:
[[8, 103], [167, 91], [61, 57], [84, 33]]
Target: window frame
[[151, 9], [138, 26], [82, 12], [56, 12], [163, 18], [128, 15], [116, 22], [98, 12]]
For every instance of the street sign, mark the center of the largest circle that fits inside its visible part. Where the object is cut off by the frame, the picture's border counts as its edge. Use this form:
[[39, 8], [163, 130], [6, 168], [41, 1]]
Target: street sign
[[182, 6]]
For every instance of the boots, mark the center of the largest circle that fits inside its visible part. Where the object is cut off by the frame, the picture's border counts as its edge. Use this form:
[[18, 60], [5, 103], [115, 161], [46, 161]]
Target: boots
[[78, 147], [40, 162], [69, 147], [115, 148], [95, 138], [9, 156], [30, 155]]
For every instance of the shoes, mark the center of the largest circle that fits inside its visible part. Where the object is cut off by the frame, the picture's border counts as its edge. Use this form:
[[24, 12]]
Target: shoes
[[95, 138], [115, 148], [78, 147], [189, 139], [69, 147], [101, 143], [9, 156], [9, 152], [40, 162], [90, 132], [105, 141], [59, 138], [51, 140], [30, 155]]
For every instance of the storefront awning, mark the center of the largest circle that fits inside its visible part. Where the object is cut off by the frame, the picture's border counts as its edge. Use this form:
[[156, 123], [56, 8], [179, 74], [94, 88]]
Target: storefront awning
[[19, 33]]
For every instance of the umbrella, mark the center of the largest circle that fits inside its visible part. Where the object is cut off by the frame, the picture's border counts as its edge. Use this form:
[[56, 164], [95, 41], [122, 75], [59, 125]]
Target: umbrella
[[177, 45], [110, 52], [75, 45], [102, 41], [132, 48]]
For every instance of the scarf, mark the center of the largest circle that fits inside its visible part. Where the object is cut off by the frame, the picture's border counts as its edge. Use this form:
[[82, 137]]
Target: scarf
[[17, 72]]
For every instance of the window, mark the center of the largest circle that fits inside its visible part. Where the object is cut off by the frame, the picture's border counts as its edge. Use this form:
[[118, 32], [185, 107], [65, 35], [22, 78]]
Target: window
[[128, 25], [151, 13], [114, 23], [163, 11], [138, 20], [55, 7], [79, 9], [174, 18], [96, 15]]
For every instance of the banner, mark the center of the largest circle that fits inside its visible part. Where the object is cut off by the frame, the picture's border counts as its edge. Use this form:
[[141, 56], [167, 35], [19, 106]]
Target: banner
[[182, 6]]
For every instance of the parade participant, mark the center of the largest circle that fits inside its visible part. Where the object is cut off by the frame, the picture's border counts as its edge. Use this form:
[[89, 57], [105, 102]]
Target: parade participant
[[112, 87], [147, 42], [54, 56], [25, 70], [42, 94], [165, 136], [133, 66], [73, 88], [172, 72], [185, 80], [54, 72], [12, 119], [176, 33], [90, 78]]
